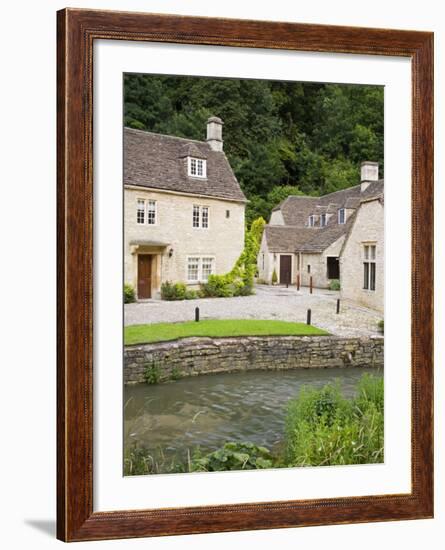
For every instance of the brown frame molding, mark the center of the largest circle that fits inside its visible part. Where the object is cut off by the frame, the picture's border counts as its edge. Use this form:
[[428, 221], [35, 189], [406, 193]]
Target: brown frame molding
[[76, 32]]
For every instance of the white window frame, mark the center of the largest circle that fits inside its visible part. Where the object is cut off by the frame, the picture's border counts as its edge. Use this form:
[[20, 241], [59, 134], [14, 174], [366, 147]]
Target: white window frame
[[201, 208], [340, 212], [141, 208], [154, 211], [369, 259], [311, 220], [200, 258], [323, 220], [212, 264], [191, 161], [146, 210], [198, 262]]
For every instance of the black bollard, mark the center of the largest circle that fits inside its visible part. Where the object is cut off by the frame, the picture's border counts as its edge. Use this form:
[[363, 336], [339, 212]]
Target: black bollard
[[310, 284], [196, 314], [338, 306], [308, 319]]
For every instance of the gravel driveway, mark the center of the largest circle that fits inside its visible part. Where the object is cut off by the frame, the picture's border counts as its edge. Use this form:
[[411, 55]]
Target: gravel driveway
[[269, 302]]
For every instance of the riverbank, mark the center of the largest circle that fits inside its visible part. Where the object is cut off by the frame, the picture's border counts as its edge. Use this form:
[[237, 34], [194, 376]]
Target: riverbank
[[255, 420], [160, 362]]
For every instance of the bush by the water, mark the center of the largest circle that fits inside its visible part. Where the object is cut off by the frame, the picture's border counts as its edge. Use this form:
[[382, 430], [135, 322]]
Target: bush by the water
[[323, 428], [129, 294], [334, 284], [152, 373]]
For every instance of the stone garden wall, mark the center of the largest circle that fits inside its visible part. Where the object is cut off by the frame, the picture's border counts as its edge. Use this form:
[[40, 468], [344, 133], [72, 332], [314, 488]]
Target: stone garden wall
[[194, 356]]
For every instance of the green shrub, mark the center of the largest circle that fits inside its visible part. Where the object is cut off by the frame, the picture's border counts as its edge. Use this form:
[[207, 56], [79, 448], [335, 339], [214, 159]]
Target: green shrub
[[233, 456], [129, 294], [175, 374], [323, 428], [152, 373], [176, 291], [381, 326], [218, 286], [274, 277], [334, 284]]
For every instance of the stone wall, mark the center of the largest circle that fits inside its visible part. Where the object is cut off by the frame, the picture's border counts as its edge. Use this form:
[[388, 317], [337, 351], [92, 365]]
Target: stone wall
[[194, 356]]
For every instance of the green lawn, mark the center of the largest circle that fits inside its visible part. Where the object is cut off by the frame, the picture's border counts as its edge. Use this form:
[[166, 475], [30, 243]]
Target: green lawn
[[217, 328]]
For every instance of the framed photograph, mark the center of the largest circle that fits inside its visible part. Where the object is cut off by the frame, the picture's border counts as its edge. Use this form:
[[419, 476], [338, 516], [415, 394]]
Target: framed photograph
[[245, 230]]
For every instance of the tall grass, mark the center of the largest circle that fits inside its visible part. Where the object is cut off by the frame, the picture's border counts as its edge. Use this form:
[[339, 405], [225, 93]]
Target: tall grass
[[323, 428]]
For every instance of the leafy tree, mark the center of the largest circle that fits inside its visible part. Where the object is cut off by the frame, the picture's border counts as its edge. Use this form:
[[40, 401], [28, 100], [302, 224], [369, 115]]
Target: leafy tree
[[281, 138]]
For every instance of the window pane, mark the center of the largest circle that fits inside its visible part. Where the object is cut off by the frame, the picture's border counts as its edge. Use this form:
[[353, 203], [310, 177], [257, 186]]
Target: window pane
[[151, 212], [199, 167], [372, 277], [140, 213], [195, 216], [341, 216], [372, 248], [205, 217], [207, 268], [366, 275], [366, 252], [193, 167], [192, 269]]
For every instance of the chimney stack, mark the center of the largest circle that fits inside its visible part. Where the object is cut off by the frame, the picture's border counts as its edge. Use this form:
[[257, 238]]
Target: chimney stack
[[214, 133], [369, 173]]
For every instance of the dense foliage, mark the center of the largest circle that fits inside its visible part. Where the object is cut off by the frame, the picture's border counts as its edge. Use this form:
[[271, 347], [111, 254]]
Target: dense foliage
[[281, 138], [322, 429]]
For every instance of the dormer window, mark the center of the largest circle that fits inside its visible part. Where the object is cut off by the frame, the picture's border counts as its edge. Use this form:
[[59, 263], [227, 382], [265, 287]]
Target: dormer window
[[197, 168], [341, 216], [323, 220], [311, 221]]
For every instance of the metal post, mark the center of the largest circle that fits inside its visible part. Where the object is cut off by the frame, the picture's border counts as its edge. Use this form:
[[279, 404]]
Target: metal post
[[310, 284], [338, 306], [196, 314], [298, 281], [308, 318]]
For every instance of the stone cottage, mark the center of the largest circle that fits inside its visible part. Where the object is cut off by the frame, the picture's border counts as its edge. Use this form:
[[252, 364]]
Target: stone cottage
[[306, 237], [183, 209]]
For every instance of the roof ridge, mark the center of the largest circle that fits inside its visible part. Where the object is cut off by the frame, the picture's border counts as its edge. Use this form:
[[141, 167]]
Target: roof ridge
[[166, 135]]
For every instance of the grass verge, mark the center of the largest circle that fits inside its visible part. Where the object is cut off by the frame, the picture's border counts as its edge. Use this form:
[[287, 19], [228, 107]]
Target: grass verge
[[216, 328]]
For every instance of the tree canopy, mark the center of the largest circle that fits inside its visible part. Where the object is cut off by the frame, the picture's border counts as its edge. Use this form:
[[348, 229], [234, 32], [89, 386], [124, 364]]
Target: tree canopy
[[280, 137]]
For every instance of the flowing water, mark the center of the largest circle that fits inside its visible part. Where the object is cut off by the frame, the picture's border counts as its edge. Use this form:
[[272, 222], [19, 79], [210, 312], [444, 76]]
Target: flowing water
[[207, 411]]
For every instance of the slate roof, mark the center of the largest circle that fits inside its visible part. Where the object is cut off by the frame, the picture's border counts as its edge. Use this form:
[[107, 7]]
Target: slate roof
[[286, 238], [297, 236], [157, 161]]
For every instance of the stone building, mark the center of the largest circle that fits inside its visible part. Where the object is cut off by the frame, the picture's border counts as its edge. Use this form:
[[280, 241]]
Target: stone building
[[308, 238], [183, 209], [362, 255]]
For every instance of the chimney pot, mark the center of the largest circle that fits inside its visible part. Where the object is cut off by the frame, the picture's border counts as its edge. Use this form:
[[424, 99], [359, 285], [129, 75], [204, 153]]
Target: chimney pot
[[369, 173], [214, 133]]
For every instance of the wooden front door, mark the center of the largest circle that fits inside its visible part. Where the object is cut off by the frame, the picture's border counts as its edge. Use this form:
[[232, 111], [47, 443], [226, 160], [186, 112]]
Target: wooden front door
[[144, 276], [285, 270]]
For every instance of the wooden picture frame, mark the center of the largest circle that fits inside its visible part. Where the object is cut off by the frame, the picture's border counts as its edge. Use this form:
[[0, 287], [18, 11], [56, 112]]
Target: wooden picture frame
[[77, 31]]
